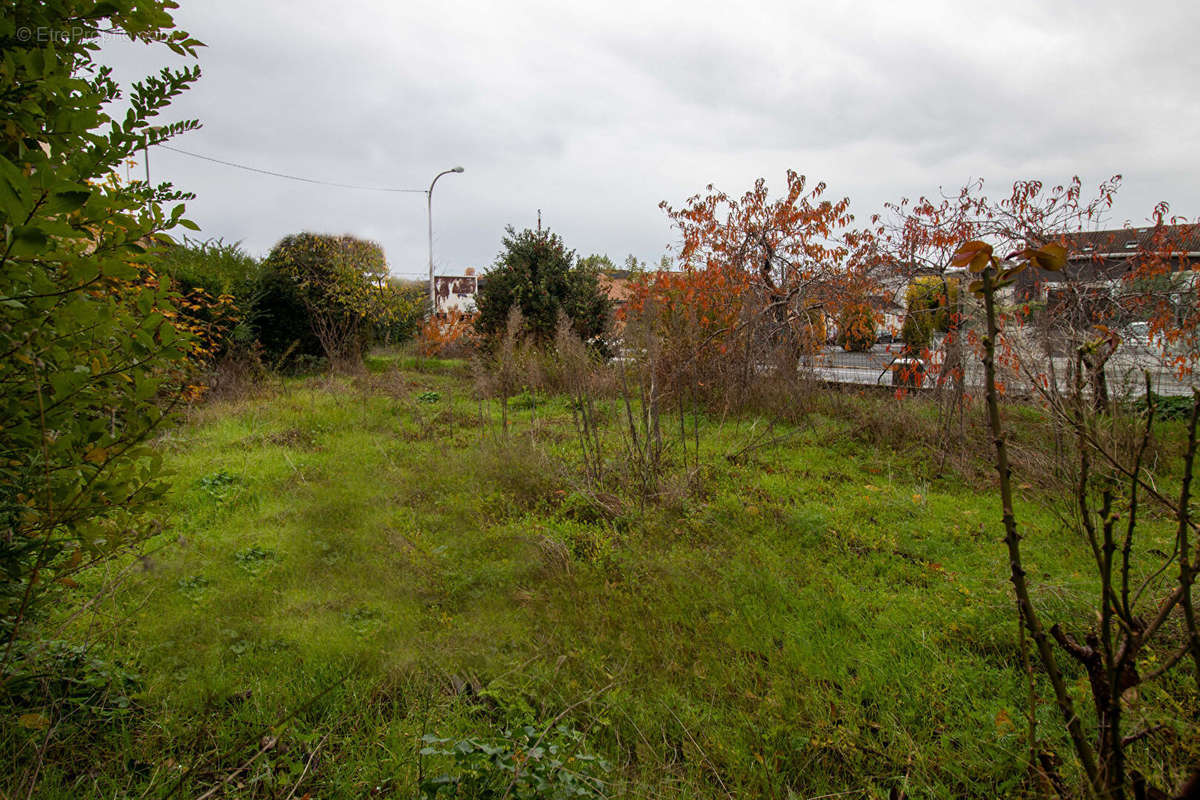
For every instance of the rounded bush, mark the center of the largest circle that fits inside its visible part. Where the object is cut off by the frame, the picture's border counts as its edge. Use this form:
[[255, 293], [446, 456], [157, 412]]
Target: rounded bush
[[856, 328]]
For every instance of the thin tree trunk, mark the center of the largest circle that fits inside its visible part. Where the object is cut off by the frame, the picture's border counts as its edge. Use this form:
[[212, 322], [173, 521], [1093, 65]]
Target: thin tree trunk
[[1187, 573], [1012, 540]]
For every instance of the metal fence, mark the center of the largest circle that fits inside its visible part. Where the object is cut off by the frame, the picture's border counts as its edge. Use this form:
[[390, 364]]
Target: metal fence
[[1125, 370]]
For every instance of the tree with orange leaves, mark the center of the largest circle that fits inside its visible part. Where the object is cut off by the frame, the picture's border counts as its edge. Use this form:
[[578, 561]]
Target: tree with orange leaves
[[1159, 286], [919, 239], [770, 264]]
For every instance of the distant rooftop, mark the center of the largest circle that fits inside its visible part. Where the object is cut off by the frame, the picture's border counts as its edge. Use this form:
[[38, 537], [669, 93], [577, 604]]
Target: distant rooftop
[[1120, 241]]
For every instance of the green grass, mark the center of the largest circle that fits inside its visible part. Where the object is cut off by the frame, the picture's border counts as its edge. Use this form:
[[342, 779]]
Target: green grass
[[348, 564]]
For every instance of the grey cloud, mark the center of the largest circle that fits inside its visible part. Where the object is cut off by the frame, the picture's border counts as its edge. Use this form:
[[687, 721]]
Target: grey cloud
[[594, 113]]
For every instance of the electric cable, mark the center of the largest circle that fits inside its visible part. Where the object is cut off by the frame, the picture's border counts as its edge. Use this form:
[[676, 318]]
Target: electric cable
[[288, 177]]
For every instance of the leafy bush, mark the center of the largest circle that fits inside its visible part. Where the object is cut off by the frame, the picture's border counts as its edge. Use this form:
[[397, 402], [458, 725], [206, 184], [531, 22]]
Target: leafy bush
[[929, 304], [75, 676], [216, 269], [339, 283], [856, 328], [214, 265], [1165, 407], [521, 764], [280, 323], [267, 308], [405, 304], [92, 352], [537, 274]]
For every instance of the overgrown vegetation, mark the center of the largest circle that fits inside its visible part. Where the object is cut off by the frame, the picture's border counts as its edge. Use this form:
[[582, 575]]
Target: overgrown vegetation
[[94, 349], [341, 283], [650, 556], [351, 564], [272, 314]]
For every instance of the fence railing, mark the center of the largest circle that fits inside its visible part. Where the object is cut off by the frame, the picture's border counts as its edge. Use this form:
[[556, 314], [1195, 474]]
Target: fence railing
[[887, 365]]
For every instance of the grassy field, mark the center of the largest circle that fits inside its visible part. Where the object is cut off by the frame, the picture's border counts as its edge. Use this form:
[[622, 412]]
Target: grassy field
[[348, 564]]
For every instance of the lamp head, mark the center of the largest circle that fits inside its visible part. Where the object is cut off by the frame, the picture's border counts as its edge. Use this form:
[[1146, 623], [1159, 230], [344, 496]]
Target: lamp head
[[457, 169]]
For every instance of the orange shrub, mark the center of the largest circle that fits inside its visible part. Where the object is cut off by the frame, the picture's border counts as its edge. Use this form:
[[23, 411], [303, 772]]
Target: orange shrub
[[447, 333]]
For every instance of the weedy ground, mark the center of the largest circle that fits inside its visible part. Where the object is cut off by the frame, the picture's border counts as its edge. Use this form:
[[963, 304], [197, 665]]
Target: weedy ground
[[348, 564]]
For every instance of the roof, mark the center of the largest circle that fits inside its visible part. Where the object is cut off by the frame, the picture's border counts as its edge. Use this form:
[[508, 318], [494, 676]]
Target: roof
[[1097, 256], [1122, 242], [615, 287]]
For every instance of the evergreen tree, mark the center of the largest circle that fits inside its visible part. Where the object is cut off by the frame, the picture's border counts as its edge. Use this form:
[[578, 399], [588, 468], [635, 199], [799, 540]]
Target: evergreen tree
[[537, 274]]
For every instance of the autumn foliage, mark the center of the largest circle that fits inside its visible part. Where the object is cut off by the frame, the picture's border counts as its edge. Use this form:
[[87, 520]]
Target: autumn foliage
[[447, 334], [856, 327], [757, 279], [205, 321], [794, 253]]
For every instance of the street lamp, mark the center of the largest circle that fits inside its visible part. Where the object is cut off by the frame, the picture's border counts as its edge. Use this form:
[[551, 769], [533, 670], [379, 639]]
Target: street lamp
[[429, 199]]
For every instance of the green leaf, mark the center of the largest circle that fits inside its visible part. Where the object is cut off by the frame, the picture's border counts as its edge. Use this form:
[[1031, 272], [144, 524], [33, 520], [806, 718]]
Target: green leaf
[[67, 201], [28, 240]]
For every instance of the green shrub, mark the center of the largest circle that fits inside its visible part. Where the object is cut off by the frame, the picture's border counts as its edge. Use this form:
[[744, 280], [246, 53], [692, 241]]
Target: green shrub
[[271, 306], [524, 763], [405, 305], [280, 322], [537, 275], [340, 283], [82, 683], [929, 307], [92, 352], [1165, 407], [218, 269], [214, 265]]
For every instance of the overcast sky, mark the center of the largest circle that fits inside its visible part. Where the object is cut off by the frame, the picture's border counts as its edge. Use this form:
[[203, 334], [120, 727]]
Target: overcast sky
[[595, 112]]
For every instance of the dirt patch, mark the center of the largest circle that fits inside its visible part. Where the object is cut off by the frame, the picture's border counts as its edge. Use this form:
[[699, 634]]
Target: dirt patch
[[295, 438]]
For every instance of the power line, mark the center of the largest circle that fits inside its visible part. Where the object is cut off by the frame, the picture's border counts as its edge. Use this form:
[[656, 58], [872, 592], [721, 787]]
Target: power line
[[288, 177]]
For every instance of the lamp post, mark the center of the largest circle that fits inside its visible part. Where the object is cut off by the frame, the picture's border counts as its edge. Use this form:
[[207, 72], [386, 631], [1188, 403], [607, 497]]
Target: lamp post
[[429, 200]]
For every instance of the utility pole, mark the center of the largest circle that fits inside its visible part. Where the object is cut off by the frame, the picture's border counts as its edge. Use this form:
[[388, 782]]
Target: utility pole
[[429, 209]]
